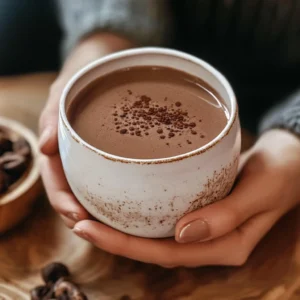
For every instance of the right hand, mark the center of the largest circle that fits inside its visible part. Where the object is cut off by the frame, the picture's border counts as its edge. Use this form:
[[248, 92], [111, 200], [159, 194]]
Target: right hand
[[225, 232], [57, 188]]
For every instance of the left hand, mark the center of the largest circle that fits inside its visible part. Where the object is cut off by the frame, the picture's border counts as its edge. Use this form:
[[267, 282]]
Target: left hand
[[226, 232]]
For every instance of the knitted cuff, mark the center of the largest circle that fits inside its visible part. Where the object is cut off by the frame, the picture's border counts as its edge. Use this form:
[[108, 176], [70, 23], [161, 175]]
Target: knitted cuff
[[285, 116], [142, 21]]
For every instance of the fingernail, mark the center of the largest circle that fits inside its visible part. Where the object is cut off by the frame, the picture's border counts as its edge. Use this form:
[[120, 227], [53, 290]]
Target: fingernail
[[82, 234], [195, 231], [73, 216], [45, 136]]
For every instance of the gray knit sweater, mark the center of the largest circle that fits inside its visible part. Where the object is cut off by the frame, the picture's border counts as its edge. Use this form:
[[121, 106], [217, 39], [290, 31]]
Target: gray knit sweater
[[272, 27]]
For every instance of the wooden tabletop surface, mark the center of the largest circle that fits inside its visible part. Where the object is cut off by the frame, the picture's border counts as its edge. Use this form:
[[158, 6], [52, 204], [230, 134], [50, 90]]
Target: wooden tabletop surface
[[272, 272]]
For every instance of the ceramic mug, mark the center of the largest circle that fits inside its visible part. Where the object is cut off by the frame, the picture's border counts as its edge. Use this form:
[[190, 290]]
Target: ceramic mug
[[146, 197]]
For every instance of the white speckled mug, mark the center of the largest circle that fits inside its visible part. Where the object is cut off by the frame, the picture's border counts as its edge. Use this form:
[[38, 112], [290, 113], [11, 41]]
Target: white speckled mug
[[146, 197]]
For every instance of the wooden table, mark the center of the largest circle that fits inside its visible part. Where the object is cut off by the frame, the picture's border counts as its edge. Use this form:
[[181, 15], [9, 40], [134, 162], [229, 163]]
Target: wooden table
[[272, 272]]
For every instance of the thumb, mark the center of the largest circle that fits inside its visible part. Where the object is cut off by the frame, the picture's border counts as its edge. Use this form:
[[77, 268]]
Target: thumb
[[48, 122]]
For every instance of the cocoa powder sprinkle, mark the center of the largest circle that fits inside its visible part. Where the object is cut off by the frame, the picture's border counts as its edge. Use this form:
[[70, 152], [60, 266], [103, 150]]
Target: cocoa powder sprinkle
[[143, 114], [123, 131]]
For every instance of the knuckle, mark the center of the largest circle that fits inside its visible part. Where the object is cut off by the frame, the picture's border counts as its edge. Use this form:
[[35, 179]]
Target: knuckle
[[240, 261], [233, 216], [237, 250], [239, 258], [242, 249]]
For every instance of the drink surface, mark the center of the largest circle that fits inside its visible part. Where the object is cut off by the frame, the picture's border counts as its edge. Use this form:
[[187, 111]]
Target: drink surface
[[148, 112]]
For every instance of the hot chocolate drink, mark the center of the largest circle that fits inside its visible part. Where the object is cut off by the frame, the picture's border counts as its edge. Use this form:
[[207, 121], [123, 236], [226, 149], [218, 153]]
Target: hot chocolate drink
[[147, 113]]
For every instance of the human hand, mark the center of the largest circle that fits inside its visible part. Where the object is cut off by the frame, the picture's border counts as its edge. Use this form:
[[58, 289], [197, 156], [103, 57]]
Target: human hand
[[223, 233], [90, 48]]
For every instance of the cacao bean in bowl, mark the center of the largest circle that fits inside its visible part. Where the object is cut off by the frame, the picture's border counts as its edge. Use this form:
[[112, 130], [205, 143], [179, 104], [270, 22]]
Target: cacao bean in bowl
[[20, 182]]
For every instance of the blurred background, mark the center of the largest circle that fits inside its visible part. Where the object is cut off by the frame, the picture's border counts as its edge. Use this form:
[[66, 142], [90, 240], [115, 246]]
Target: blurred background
[[255, 43]]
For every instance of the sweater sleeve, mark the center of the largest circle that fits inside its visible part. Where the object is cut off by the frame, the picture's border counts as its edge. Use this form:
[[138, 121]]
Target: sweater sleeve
[[144, 22], [285, 116]]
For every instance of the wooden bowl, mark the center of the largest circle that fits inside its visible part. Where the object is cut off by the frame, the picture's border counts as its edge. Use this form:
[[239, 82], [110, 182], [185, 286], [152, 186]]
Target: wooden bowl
[[16, 204]]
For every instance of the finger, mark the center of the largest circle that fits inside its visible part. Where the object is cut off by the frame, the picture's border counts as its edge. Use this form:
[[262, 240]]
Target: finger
[[48, 123], [119, 243], [249, 234], [68, 222], [233, 249], [222, 217], [58, 190]]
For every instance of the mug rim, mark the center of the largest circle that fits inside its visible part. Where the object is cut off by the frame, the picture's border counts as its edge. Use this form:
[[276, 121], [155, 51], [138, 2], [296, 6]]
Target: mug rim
[[135, 52]]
